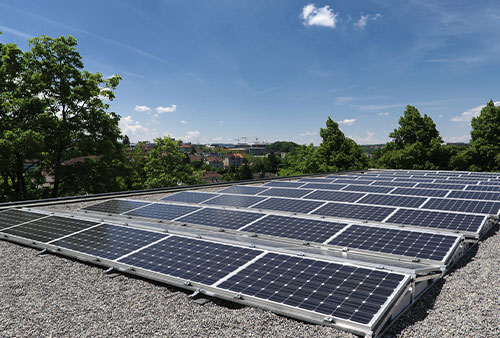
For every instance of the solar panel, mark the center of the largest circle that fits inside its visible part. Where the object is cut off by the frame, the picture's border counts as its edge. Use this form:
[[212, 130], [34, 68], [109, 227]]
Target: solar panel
[[283, 184], [477, 207], [396, 201], [116, 206], [316, 180], [398, 242], [413, 179], [285, 192], [419, 192], [342, 291], [457, 181], [285, 204], [163, 211], [341, 196], [14, 217], [190, 197], [235, 200], [441, 186], [324, 186], [109, 241], [437, 219], [348, 181], [227, 219], [494, 183], [48, 229], [243, 190], [296, 228], [493, 188], [191, 259], [363, 212], [394, 184], [368, 188], [475, 195]]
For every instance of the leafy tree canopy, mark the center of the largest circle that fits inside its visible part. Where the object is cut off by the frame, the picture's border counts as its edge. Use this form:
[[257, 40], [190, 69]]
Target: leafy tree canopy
[[485, 139]]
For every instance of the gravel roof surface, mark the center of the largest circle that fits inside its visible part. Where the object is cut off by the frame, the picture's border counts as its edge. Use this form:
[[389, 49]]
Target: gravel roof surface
[[54, 296]]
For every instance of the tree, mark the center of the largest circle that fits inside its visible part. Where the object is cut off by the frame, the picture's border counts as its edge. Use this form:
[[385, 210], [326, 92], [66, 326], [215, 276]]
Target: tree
[[338, 152], [302, 160], [126, 141], [273, 162], [416, 144], [485, 139], [166, 166]]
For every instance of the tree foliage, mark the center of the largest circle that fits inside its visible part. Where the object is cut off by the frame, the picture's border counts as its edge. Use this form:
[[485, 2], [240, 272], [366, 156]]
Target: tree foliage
[[416, 144]]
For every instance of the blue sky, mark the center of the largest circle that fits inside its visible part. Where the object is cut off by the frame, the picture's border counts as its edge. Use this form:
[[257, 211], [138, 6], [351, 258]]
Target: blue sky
[[216, 71]]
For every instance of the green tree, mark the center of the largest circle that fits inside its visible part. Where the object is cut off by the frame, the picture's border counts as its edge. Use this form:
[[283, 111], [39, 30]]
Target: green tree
[[301, 161], [338, 152], [166, 166], [485, 139], [416, 144], [273, 162]]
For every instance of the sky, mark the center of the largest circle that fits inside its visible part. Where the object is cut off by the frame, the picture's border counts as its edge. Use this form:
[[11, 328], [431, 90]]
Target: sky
[[228, 71]]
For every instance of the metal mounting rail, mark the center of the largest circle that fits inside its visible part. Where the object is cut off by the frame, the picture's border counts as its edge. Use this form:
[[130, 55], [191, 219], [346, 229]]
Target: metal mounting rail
[[93, 197]]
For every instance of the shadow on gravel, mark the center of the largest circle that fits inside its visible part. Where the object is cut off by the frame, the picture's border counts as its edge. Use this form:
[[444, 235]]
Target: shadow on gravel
[[419, 311]]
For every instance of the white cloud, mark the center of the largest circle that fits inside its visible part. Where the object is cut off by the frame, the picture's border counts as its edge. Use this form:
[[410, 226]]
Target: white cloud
[[182, 121], [467, 115], [363, 20], [221, 123], [217, 139], [384, 113], [440, 116], [347, 122], [170, 109], [15, 32], [308, 133], [344, 99], [367, 139], [142, 109], [322, 16], [191, 135], [129, 126], [455, 139]]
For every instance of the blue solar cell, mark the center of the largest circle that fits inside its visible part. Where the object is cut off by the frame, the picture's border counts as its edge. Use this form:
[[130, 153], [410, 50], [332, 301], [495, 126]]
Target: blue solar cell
[[340, 196], [191, 259], [14, 217], [458, 181], [475, 195], [316, 180], [348, 181], [284, 184], [492, 188], [441, 186], [419, 192], [368, 188], [285, 192], [394, 184], [437, 219], [116, 206], [227, 219], [286, 204], [398, 242], [190, 197], [109, 241], [337, 290], [477, 207], [363, 212], [162, 211], [397, 201], [296, 228], [242, 189], [324, 186], [235, 200]]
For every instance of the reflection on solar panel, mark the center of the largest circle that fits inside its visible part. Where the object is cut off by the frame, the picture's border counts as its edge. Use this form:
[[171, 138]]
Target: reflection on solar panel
[[162, 211], [493, 188], [340, 196], [324, 186], [316, 180], [227, 219], [235, 200], [283, 184], [285, 192], [190, 259], [48, 229], [243, 190], [478, 207], [286, 204], [363, 212], [341, 291], [475, 195], [394, 184], [441, 186], [109, 241], [397, 201], [368, 188], [419, 192], [14, 217], [399, 242], [190, 197], [116, 206], [436, 219], [297, 228]]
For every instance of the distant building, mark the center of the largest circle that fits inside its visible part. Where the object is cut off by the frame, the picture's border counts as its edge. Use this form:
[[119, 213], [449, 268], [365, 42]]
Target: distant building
[[212, 177], [214, 162], [233, 159], [195, 157]]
